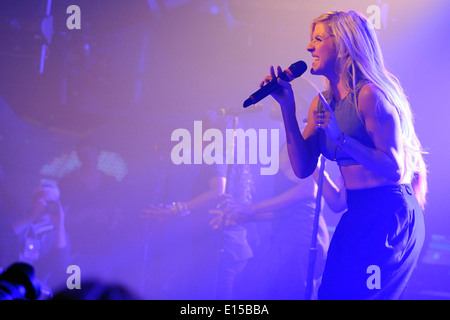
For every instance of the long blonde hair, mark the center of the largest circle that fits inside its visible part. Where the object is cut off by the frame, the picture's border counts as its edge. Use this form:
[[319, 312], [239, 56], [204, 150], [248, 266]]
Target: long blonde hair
[[360, 60]]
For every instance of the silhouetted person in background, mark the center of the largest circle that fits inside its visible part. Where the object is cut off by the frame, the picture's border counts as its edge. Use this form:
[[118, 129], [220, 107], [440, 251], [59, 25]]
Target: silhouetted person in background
[[219, 253], [92, 204], [43, 240]]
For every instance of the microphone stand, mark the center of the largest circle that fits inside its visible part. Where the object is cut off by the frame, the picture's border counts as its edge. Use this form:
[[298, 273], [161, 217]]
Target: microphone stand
[[313, 248], [222, 226], [227, 183]]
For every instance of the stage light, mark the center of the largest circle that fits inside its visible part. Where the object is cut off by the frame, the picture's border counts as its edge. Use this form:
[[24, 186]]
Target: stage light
[[110, 163]]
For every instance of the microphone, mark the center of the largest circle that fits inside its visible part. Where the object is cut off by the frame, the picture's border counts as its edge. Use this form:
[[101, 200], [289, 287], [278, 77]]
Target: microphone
[[294, 71], [237, 111]]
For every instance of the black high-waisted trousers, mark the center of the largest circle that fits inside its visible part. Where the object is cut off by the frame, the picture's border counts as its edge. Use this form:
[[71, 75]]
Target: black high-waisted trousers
[[375, 246]]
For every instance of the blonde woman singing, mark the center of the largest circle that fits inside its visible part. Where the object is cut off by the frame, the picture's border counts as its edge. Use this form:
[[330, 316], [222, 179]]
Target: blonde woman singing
[[362, 121]]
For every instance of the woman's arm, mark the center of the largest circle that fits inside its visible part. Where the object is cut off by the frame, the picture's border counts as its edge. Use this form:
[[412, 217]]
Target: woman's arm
[[302, 148], [419, 182], [334, 194], [206, 200]]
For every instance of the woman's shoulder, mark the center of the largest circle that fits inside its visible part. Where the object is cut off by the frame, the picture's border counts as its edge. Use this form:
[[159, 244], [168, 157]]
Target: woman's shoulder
[[369, 90], [373, 104], [371, 97]]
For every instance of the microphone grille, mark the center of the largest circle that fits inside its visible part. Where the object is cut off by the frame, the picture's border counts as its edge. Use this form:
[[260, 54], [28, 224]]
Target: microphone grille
[[298, 68]]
